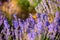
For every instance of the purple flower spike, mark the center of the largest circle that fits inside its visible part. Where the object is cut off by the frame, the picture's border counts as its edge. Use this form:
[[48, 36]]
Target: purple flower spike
[[33, 34], [20, 23], [14, 15], [31, 22], [26, 23], [6, 23], [1, 19], [47, 23], [39, 27], [39, 15], [15, 23], [51, 27], [57, 14]]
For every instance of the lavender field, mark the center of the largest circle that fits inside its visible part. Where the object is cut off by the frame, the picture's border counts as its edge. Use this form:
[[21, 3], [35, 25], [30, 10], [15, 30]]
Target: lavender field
[[30, 21]]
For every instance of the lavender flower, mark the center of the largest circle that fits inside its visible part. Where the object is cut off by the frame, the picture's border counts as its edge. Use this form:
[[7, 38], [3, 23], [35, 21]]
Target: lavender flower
[[33, 34], [15, 17], [15, 23], [39, 24], [20, 23], [45, 17], [31, 18], [57, 14], [39, 15], [28, 30], [51, 27], [57, 18], [58, 21], [1, 20], [6, 26], [26, 23], [42, 16], [47, 23], [29, 36], [6, 23], [31, 22], [51, 31]]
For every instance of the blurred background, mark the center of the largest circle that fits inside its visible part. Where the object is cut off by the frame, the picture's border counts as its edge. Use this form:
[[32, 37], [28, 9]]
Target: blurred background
[[29, 19]]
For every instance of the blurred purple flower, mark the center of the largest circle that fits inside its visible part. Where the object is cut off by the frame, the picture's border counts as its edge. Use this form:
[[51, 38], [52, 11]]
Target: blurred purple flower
[[58, 21], [38, 15], [29, 36], [31, 22], [39, 25], [6, 23], [45, 17], [57, 14], [42, 17], [26, 23], [20, 23], [51, 27], [58, 0], [15, 23], [1, 21], [31, 18], [47, 23], [28, 30], [14, 16], [33, 34], [1, 18]]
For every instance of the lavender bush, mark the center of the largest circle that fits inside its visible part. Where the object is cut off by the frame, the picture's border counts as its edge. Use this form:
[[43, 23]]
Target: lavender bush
[[39, 27], [21, 29]]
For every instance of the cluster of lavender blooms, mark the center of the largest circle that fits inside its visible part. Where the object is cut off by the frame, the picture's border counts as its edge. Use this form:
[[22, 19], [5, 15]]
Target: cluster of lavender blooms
[[30, 29]]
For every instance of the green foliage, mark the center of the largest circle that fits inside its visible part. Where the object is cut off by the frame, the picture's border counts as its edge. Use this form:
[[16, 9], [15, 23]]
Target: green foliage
[[36, 2], [24, 4], [59, 8], [26, 8], [44, 37], [10, 38]]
